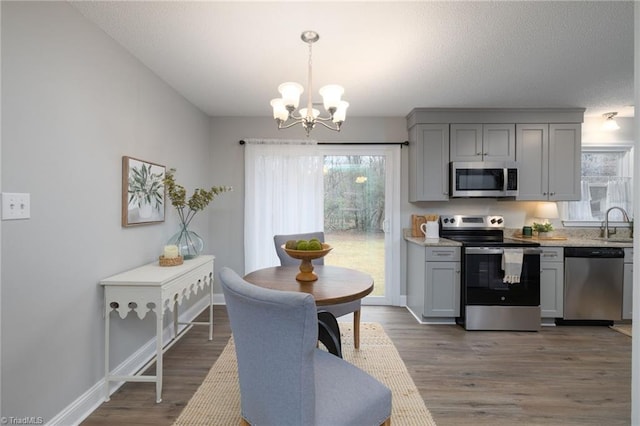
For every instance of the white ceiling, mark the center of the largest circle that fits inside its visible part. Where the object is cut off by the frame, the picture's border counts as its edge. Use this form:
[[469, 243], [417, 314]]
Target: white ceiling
[[229, 57]]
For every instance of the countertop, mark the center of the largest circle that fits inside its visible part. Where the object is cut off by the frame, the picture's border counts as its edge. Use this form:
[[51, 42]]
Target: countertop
[[574, 238]]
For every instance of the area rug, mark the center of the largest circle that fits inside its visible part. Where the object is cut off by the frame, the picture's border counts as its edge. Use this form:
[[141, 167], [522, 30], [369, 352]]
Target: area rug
[[622, 328], [217, 401]]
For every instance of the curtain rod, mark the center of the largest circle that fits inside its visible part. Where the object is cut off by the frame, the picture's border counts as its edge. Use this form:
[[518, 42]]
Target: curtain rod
[[405, 143]]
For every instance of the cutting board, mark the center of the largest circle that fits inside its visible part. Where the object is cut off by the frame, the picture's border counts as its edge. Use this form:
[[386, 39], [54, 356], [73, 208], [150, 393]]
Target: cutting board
[[417, 220]]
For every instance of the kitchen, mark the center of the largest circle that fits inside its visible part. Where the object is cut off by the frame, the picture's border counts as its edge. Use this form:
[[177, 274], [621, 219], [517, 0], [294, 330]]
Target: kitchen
[[522, 161]]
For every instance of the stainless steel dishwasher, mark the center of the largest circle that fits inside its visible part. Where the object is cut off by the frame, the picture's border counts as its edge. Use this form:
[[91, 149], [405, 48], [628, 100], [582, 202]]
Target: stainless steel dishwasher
[[593, 279]]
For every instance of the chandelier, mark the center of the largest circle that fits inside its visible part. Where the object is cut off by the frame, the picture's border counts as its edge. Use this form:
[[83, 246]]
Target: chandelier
[[284, 109]]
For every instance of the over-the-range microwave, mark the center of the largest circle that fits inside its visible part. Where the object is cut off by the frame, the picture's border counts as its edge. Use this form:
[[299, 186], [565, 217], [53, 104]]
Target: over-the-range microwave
[[484, 179]]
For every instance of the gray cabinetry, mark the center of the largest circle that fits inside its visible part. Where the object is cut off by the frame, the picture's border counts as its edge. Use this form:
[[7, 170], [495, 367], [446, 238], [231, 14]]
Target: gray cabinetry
[[429, 162], [483, 142], [548, 154], [552, 282], [549, 161], [433, 282], [627, 286]]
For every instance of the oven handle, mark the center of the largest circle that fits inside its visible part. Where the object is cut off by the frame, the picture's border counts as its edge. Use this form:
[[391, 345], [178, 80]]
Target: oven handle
[[499, 250]]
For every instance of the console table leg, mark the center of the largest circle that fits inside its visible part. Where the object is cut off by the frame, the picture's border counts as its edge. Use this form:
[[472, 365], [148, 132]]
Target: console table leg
[[107, 396], [175, 319], [211, 309], [159, 320]]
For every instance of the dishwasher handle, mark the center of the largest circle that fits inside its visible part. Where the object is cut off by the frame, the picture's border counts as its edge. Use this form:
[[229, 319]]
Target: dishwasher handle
[[599, 252], [500, 250]]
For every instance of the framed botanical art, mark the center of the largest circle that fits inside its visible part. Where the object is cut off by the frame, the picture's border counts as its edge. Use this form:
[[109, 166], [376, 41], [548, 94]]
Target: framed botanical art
[[142, 192]]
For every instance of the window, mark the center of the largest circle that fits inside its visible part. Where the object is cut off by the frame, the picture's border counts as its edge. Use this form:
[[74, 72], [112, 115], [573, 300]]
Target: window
[[606, 182]]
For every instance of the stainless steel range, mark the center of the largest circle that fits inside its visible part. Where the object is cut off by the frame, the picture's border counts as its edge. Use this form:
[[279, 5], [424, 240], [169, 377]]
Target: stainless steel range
[[491, 299]]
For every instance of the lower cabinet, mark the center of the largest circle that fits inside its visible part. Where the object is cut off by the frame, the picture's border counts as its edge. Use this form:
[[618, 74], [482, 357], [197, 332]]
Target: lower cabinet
[[627, 286], [552, 282], [433, 282]]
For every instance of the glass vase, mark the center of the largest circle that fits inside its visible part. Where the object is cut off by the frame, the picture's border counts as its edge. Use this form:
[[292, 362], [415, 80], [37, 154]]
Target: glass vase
[[189, 243]]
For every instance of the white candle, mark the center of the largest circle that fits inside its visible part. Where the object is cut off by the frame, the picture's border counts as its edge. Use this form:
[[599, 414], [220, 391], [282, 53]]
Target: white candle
[[170, 252]]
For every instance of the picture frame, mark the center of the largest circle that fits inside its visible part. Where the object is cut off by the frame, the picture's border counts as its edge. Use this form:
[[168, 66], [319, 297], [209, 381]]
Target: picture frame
[[143, 192]]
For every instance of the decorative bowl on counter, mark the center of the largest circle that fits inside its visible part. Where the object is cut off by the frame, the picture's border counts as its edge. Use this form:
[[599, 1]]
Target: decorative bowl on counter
[[306, 273]]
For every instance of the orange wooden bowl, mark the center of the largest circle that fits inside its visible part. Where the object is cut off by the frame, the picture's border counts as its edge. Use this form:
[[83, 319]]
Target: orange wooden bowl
[[306, 273]]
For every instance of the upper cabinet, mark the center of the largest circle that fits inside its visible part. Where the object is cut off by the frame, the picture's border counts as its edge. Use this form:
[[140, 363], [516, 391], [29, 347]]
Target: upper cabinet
[[549, 161], [483, 142], [545, 143], [429, 162]]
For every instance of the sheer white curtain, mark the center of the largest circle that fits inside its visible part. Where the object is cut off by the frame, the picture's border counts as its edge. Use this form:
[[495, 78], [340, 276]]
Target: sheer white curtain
[[283, 195], [578, 210], [619, 194]]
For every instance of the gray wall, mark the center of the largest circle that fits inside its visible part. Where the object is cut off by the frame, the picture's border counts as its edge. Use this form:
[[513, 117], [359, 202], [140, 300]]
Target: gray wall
[[73, 103]]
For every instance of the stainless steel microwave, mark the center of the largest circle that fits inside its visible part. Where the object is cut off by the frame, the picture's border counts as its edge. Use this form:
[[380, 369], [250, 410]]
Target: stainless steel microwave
[[484, 179]]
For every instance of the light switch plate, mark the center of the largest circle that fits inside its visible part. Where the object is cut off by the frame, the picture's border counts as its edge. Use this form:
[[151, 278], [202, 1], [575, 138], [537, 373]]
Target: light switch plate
[[16, 206]]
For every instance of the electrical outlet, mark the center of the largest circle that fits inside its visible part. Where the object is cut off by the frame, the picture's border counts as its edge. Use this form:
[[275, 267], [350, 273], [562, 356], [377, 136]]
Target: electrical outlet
[[16, 206]]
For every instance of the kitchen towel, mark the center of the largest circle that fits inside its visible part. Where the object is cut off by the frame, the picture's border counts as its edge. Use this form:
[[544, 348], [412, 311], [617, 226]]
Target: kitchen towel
[[512, 265]]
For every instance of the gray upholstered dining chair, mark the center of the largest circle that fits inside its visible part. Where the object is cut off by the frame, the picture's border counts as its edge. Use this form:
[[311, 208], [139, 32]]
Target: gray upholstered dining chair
[[284, 378], [337, 310]]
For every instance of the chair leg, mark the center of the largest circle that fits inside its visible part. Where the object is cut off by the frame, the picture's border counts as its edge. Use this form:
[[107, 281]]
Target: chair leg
[[243, 422], [387, 422], [356, 329]]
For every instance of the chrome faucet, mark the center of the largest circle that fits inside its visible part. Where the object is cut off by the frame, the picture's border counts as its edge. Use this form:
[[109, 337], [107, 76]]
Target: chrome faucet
[[607, 232]]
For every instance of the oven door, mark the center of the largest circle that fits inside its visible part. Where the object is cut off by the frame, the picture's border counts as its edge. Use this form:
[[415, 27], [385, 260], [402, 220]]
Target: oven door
[[483, 278]]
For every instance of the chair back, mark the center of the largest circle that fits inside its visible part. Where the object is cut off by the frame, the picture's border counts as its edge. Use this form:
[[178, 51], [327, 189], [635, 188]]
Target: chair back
[[275, 334], [285, 259]]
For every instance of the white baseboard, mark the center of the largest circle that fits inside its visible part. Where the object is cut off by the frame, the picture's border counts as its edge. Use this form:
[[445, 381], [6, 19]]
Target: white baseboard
[[87, 403]]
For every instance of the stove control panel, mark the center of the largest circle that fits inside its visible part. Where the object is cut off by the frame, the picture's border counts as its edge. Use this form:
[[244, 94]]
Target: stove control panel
[[472, 222]]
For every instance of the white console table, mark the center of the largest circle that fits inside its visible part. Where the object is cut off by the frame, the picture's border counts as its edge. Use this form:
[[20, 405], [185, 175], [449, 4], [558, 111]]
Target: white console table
[[155, 288]]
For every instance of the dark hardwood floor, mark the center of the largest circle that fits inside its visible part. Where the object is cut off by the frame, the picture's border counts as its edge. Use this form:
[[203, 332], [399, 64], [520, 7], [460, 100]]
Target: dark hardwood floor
[[565, 375]]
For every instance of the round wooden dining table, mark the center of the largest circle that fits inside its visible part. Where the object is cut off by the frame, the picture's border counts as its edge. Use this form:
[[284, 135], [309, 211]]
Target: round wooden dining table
[[334, 285]]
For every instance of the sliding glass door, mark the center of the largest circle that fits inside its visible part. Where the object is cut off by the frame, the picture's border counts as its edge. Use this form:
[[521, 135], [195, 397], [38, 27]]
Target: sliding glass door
[[361, 213]]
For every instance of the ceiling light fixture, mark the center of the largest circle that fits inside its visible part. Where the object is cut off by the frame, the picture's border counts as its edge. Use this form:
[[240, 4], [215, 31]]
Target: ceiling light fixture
[[284, 108], [610, 122]]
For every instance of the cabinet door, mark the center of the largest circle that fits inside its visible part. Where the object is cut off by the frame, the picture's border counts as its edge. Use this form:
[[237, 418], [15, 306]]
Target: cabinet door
[[498, 142], [532, 155], [627, 292], [442, 290], [565, 161], [552, 289], [429, 162], [466, 142], [552, 282], [415, 279]]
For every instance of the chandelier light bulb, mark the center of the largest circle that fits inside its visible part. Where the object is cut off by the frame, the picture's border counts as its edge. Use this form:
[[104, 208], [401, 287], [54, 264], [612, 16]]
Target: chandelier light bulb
[[279, 110], [291, 93], [341, 112], [331, 95], [314, 113]]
